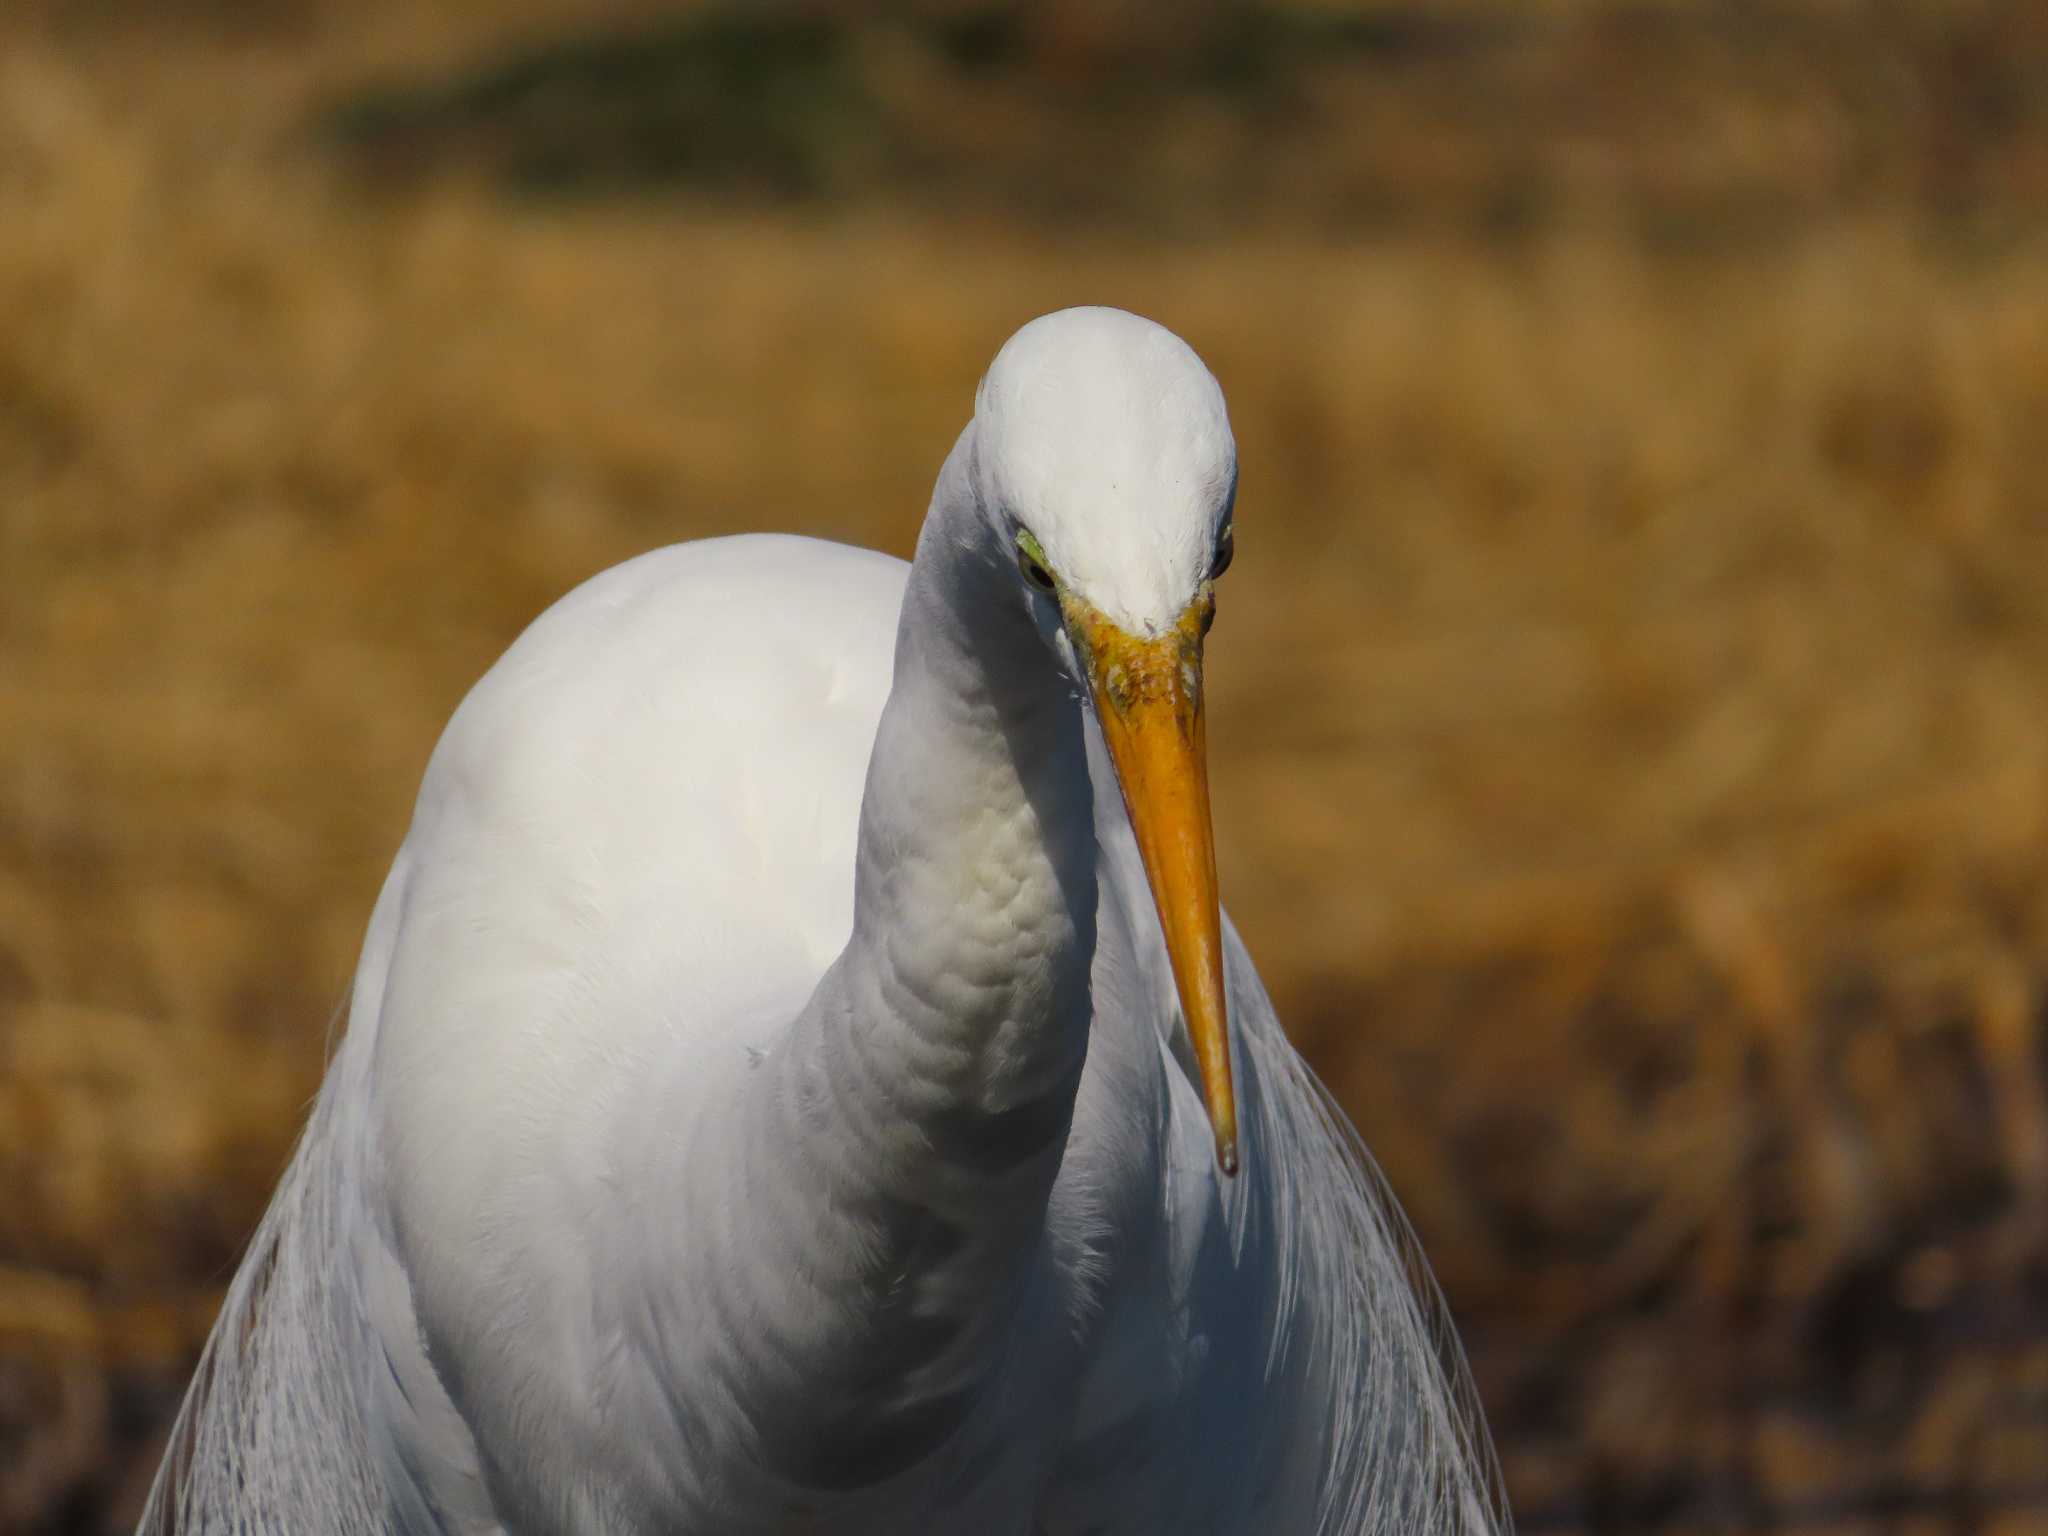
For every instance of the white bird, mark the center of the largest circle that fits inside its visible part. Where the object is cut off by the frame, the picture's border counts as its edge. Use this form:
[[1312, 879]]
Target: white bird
[[773, 1097]]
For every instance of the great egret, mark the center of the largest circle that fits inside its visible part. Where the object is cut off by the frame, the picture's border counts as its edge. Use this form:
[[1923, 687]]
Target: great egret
[[766, 1104]]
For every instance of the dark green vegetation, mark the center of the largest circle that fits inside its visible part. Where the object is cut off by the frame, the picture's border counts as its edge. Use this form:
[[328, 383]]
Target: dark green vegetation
[[1694, 123]]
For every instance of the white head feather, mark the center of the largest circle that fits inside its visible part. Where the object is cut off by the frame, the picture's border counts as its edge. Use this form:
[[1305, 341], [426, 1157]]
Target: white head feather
[[1105, 437]]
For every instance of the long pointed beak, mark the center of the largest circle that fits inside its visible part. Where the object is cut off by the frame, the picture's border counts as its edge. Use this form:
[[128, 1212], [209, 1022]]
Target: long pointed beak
[[1148, 696]]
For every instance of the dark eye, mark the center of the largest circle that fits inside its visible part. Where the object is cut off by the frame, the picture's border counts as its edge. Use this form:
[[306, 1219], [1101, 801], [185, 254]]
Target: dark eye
[[1034, 570], [1226, 546]]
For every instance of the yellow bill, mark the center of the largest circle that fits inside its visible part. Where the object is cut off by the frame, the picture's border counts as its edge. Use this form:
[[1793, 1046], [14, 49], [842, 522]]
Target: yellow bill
[[1148, 696]]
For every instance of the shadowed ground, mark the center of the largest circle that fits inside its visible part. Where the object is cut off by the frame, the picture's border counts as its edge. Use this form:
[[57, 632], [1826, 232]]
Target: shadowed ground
[[1628, 703]]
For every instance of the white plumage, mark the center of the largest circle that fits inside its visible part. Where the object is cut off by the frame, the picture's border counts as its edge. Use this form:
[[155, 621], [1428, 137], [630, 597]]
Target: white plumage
[[767, 1105]]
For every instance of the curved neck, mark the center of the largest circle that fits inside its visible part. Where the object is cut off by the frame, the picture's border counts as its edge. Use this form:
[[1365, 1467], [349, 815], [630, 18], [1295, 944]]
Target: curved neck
[[923, 1097], [974, 904], [963, 991]]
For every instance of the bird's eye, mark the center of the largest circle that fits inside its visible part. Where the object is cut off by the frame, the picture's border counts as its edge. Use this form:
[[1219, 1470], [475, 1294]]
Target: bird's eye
[[1031, 561], [1226, 547]]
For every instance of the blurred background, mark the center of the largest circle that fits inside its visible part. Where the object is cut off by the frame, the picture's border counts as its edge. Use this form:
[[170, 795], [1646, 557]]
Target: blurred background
[[1630, 705]]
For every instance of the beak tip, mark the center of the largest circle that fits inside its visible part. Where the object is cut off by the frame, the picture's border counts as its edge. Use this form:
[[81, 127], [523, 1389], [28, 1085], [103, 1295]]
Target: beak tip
[[1226, 1155]]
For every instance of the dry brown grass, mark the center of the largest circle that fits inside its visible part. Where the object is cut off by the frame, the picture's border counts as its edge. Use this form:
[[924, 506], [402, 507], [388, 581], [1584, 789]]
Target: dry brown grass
[[1632, 762]]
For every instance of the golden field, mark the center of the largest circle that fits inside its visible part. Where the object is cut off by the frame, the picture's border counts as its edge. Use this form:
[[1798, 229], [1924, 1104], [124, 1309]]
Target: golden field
[[1630, 703]]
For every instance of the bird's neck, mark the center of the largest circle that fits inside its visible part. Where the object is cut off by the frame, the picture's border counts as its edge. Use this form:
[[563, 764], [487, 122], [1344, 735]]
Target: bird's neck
[[960, 1003], [920, 1105], [974, 904]]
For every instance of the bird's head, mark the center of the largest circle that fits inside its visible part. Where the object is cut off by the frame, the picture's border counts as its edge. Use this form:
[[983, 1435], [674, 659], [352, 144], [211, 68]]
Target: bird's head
[[1105, 464]]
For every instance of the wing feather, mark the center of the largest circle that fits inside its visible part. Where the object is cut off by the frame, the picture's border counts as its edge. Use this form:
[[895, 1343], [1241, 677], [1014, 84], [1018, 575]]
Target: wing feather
[[1360, 1333]]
